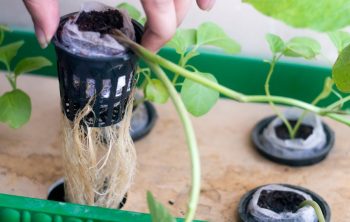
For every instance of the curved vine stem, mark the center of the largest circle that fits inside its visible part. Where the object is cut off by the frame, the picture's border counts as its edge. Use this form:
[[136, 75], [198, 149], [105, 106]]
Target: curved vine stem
[[339, 103], [316, 207], [191, 140], [272, 104], [153, 58]]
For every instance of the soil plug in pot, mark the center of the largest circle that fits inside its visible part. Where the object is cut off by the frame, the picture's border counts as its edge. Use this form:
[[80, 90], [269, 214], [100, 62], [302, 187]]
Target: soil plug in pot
[[311, 144], [278, 202], [96, 76]]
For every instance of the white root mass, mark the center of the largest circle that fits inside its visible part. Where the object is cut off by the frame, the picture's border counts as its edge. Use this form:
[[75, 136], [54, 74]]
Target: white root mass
[[99, 163]]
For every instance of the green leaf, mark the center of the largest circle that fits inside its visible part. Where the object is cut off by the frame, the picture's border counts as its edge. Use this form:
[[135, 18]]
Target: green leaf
[[182, 40], [302, 47], [155, 91], [158, 212], [8, 52], [321, 15], [133, 12], [340, 39], [142, 21], [3, 29], [275, 42], [210, 34], [341, 71], [31, 64], [197, 98], [15, 108]]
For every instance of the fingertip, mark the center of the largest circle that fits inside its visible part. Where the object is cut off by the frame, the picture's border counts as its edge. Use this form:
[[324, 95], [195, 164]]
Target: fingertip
[[40, 35], [154, 41], [161, 23], [151, 41], [45, 16], [206, 5]]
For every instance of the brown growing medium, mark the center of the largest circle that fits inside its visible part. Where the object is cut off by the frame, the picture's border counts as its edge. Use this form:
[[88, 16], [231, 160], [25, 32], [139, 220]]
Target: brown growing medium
[[102, 22], [280, 201], [303, 133]]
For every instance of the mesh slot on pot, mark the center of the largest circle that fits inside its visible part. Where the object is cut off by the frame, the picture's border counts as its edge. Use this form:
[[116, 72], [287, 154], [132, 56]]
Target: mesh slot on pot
[[101, 83]]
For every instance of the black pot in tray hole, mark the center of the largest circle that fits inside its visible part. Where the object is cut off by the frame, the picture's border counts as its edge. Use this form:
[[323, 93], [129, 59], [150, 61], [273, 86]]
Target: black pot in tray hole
[[56, 193], [280, 202], [289, 156], [144, 117]]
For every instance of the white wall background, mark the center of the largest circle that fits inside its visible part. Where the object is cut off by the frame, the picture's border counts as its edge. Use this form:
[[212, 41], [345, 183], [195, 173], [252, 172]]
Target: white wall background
[[240, 20]]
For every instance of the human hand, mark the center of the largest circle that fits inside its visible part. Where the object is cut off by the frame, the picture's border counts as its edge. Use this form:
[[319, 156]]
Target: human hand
[[163, 17]]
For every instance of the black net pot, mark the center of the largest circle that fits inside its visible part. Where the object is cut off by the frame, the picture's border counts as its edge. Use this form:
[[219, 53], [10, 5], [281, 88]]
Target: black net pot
[[85, 79], [296, 158], [56, 193], [245, 216]]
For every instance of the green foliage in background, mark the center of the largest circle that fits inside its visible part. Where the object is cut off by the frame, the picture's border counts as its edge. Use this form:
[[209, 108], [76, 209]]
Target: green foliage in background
[[15, 105], [320, 15]]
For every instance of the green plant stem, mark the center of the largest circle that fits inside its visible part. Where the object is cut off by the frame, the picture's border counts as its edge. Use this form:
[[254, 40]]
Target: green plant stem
[[303, 115], [337, 94], [153, 58], [10, 78], [191, 140], [176, 76], [272, 104], [184, 60], [338, 103], [316, 207]]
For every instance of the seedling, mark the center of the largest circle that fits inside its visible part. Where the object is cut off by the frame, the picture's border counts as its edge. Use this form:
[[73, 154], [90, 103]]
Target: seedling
[[303, 47], [15, 105]]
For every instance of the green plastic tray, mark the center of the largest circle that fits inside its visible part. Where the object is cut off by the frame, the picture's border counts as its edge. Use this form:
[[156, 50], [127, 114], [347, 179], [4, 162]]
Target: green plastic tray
[[24, 209]]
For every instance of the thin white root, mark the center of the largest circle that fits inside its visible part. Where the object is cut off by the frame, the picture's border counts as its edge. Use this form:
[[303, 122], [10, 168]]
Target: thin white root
[[99, 162]]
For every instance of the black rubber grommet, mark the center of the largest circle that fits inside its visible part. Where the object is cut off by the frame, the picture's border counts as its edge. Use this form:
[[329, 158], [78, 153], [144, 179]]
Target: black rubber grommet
[[152, 118], [275, 156], [245, 216], [56, 193]]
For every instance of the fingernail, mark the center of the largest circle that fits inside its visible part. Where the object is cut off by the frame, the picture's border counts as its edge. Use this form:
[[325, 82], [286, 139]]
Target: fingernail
[[210, 5], [41, 38]]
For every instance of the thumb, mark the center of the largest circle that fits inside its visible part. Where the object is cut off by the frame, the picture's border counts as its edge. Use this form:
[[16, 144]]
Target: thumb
[[45, 16]]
